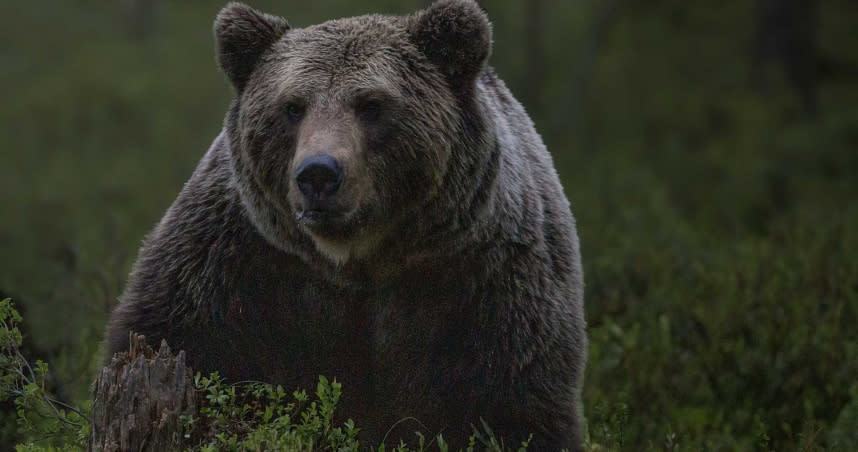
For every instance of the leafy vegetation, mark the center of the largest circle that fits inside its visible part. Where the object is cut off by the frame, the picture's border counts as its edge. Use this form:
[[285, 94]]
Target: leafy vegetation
[[718, 221], [24, 385]]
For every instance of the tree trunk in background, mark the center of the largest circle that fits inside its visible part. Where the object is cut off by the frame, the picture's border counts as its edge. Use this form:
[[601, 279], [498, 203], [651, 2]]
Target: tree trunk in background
[[139, 17], [139, 399], [534, 36], [607, 16], [786, 32]]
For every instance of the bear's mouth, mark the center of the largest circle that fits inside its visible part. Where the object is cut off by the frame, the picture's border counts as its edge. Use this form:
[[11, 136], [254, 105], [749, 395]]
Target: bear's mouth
[[325, 222], [333, 223], [313, 217]]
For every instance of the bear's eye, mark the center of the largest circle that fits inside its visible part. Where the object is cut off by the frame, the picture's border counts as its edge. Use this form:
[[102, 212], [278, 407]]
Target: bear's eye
[[294, 112], [369, 110]]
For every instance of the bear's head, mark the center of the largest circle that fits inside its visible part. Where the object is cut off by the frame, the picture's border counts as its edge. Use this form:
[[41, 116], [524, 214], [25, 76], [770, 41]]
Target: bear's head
[[342, 132]]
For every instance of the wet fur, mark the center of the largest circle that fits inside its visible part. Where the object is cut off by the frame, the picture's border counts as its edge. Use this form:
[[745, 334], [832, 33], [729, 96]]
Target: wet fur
[[466, 301]]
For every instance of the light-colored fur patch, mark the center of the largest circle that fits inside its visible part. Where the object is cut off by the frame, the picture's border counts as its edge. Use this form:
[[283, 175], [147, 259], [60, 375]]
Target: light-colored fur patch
[[338, 252]]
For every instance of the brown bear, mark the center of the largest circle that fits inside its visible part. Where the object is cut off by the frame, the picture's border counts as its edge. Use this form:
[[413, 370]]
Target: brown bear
[[378, 209]]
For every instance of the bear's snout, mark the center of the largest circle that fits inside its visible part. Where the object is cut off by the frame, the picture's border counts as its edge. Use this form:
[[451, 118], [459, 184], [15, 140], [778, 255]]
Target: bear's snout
[[319, 177]]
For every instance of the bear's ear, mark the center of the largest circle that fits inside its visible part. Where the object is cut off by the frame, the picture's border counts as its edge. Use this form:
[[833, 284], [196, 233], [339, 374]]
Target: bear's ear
[[243, 34], [456, 36]]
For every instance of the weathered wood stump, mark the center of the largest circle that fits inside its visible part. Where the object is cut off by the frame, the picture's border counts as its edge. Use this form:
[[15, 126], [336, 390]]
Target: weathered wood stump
[[139, 399]]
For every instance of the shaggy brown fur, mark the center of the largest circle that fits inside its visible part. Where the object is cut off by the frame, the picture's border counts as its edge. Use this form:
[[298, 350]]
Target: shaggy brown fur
[[441, 282]]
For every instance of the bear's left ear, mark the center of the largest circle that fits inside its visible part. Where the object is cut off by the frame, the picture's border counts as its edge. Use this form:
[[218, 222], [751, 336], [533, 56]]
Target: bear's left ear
[[243, 34], [456, 36]]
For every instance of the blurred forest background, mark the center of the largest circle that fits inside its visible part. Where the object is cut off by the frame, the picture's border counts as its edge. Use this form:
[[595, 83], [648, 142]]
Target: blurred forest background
[[709, 150]]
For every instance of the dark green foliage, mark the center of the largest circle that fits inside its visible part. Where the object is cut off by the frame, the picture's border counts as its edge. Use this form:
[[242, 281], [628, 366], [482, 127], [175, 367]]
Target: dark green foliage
[[37, 412], [719, 224], [720, 243], [237, 417], [257, 416]]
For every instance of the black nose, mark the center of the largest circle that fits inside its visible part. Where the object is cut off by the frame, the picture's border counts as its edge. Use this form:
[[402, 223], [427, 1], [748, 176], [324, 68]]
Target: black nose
[[319, 177]]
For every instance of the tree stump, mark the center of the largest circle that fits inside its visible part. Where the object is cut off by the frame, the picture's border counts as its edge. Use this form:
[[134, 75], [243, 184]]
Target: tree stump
[[139, 399]]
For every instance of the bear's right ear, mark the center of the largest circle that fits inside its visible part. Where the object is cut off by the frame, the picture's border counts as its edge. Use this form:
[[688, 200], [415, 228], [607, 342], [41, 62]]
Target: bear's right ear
[[243, 34]]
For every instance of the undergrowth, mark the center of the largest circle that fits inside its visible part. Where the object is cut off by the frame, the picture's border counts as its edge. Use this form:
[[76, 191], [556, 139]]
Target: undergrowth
[[248, 417]]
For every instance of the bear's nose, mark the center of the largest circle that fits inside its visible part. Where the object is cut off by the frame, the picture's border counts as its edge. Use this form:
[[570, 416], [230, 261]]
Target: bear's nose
[[319, 177]]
